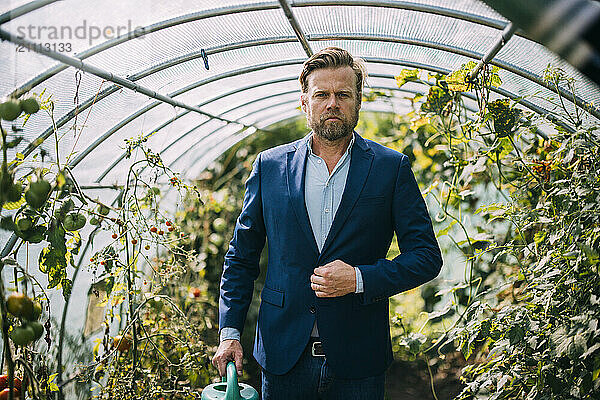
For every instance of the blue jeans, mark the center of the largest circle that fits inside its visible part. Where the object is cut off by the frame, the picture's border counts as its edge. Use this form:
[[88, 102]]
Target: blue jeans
[[312, 379]]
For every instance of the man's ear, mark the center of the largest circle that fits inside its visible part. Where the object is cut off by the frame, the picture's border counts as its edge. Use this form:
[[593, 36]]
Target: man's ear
[[303, 100]]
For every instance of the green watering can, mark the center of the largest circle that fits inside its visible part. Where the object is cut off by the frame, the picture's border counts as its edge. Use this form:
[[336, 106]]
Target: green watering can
[[229, 389]]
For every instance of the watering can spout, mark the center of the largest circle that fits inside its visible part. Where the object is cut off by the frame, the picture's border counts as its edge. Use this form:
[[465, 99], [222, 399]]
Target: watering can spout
[[229, 388]]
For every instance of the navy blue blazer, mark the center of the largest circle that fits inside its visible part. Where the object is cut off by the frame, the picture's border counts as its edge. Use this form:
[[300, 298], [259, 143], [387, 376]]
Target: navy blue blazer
[[381, 196]]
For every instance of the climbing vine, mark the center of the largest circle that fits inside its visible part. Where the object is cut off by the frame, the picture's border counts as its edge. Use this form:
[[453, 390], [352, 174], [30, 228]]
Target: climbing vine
[[519, 203]]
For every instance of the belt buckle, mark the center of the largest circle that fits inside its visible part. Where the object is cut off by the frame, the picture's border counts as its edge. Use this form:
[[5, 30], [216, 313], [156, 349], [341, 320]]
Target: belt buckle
[[317, 349]]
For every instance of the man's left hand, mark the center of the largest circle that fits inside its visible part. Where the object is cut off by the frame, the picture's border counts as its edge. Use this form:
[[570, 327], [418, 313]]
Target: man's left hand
[[334, 279]]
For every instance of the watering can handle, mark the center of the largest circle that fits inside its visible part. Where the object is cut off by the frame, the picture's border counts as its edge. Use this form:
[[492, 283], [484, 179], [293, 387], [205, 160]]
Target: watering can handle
[[233, 389]]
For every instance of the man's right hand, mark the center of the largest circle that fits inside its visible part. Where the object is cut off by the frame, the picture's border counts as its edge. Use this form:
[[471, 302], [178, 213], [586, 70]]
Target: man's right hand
[[229, 350]]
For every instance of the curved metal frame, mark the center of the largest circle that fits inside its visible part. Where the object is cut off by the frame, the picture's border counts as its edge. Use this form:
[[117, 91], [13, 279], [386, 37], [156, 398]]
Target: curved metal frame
[[24, 9], [120, 158], [167, 64], [190, 148], [402, 5], [274, 81], [212, 134], [226, 143], [164, 124], [254, 68], [99, 72]]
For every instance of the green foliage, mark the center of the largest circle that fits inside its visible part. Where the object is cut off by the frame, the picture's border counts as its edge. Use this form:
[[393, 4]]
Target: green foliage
[[526, 314], [504, 117]]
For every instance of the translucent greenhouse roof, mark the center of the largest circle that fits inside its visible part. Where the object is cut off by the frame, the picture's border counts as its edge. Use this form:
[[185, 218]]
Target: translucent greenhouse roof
[[158, 54]]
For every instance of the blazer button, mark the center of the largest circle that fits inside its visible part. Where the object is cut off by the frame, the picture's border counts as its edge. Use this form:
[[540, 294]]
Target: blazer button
[[312, 309]]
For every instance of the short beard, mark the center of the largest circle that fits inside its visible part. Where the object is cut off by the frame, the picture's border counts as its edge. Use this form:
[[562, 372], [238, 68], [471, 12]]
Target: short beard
[[337, 130]]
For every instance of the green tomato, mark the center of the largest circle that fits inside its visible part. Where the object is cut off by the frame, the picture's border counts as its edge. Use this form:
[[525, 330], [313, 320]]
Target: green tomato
[[37, 193], [24, 224], [216, 239], [6, 183], [30, 105], [37, 310], [94, 221], [14, 192], [74, 221], [22, 335], [38, 329], [219, 224], [103, 210], [10, 110], [34, 235], [19, 305]]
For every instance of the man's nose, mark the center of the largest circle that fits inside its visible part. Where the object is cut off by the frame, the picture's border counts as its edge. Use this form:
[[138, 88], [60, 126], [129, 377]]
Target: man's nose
[[332, 102]]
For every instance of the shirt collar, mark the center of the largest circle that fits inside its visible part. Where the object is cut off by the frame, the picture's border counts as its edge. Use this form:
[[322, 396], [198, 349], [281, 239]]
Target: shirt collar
[[309, 144]]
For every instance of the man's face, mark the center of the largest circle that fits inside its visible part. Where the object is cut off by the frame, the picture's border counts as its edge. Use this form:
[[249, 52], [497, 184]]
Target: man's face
[[331, 103]]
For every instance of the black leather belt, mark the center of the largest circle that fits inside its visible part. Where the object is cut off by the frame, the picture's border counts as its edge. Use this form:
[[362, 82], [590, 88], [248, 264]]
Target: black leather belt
[[316, 347]]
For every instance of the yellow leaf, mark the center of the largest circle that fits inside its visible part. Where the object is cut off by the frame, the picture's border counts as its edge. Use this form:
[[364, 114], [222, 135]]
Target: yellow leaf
[[60, 180], [418, 122], [52, 384], [14, 204], [407, 75], [97, 346], [423, 161]]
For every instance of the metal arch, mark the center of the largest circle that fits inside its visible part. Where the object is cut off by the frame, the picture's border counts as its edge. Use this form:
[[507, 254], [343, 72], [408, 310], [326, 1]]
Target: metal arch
[[258, 67], [403, 5], [140, 112], [466, 53], [67, 117], [415, 42], [411, 6], [99, 72], [236, 141], [236, 91], [120, 158], [224, 140], [189, 148], [296, 27], [437, 46], [85, 105], [114, 88], [164, 124], [141, 32], [212, 133], [191, 56], [24, 9], [273, 81], [503, 92]]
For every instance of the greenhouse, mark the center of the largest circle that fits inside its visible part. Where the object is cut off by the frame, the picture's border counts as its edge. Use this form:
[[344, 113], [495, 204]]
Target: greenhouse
[[133, 133]]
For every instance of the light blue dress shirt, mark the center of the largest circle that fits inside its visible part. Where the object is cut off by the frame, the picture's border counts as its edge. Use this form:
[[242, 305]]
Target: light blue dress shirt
[[322, 195]]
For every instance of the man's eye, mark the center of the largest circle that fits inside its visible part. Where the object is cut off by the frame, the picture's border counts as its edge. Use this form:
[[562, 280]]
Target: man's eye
[[320, 95]]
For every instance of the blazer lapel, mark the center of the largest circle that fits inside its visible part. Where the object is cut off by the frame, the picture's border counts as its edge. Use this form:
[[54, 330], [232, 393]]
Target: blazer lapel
[[360, 165], [296, 167]]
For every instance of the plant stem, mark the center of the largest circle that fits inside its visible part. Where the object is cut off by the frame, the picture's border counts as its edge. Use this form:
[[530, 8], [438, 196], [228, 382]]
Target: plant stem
[[9, 359]]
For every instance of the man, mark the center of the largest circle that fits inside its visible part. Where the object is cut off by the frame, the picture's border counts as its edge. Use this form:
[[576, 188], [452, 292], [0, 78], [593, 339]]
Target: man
[[328, 204]]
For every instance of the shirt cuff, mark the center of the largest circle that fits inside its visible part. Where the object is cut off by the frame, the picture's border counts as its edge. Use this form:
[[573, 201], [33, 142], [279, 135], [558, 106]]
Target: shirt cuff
[[359, 281], [228, 333]]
